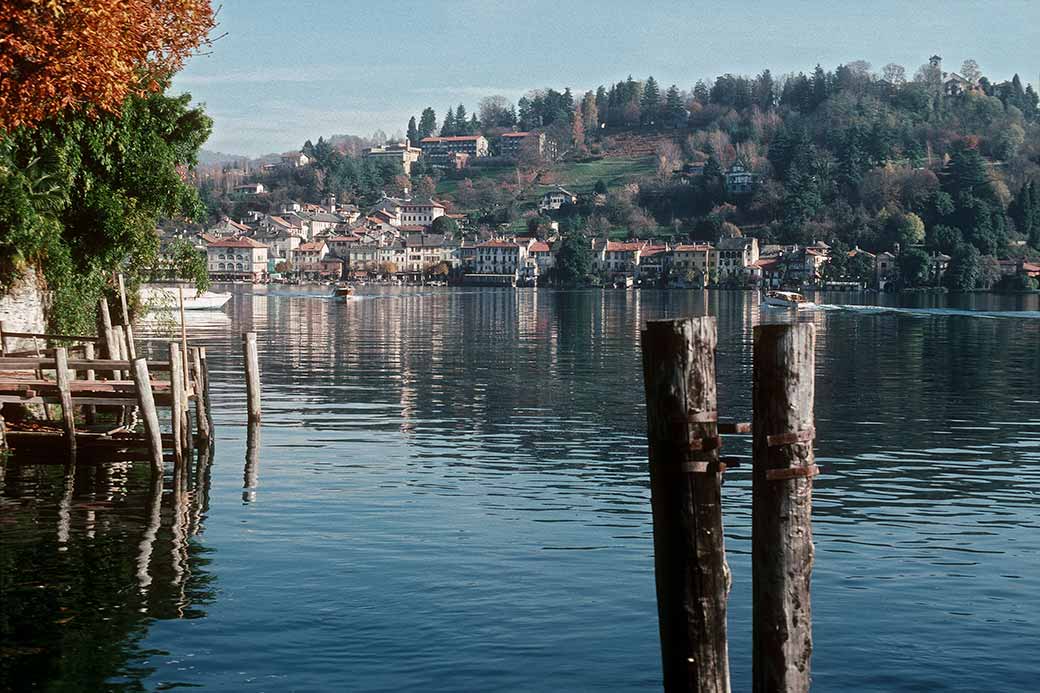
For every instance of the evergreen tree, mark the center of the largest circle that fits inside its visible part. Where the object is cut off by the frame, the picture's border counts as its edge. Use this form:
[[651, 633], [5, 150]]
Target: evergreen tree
[[427, 123], [764, 91], [701, 93], [413, 131], [448, 128], [461, 121], [964, 272], [474, 125], [650, 104], [674, 109]]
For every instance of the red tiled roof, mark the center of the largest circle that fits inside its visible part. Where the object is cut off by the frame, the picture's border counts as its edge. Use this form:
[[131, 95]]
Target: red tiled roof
[[654, 250], [517, 134], [539, 247], [313, 246], [344, 239], [498, 244], [700, 248], [237, 243], [619, 247]]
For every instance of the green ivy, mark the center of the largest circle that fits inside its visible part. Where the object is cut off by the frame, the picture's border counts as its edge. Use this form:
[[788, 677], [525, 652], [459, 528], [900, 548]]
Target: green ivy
[[80, 197]]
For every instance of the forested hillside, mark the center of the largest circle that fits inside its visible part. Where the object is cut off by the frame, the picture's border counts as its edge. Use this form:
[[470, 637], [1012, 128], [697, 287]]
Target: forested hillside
[[851, 156]]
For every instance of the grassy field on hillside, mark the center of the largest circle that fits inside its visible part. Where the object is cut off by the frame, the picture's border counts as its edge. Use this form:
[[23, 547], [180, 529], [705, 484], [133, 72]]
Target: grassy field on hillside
[[576, 177]]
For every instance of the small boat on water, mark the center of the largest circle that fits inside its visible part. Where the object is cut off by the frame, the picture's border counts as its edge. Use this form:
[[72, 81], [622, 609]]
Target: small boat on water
[[787, 299], [342, 292], [168, 297]]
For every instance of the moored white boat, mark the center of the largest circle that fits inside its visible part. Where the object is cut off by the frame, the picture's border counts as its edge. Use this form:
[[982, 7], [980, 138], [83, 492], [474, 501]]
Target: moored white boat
[[168, 297], [787, 299]]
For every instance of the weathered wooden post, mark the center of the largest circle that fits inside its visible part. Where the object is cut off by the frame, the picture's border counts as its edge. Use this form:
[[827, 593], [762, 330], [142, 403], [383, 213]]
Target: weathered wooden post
[[206, 390], [251, 472], [781, 534], [111, 346], [685, 485], [89, 411], [252, 374], [146, 401], [68, 414], [201, 420], [3, 339], [128, 330], [177, 401]]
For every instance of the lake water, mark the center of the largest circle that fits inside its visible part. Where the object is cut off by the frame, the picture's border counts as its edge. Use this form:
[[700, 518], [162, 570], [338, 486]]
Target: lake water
[[450, 493]]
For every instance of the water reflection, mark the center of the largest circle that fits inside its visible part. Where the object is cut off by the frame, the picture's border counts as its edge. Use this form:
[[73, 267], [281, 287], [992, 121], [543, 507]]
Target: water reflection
[[460, 475], [76, 599]]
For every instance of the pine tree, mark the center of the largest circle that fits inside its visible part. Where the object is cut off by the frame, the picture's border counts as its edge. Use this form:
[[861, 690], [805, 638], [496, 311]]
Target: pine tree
[[675, 111], [448, 127], [650, 104], [413, 131], [474, 125], [427, 123], [461, 121]]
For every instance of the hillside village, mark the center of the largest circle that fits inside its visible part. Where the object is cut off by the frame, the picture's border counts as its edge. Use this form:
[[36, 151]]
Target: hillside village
[[848, 178]]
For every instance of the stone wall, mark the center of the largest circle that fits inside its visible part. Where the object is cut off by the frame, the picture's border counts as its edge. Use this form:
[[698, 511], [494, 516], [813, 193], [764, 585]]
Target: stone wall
[[23, 308]]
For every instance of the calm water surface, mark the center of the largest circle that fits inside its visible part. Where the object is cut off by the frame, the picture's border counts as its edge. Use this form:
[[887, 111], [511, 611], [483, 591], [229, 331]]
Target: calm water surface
[[450, 492]]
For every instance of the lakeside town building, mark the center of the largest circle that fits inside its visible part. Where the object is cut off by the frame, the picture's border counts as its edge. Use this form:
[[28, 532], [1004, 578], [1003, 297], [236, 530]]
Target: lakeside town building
[[402, 153]]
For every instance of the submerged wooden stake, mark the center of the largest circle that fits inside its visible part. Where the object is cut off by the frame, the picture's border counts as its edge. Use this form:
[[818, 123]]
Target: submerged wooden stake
[[68, 414], [146, 401], [781, 535], [252, 374], [689, 551]]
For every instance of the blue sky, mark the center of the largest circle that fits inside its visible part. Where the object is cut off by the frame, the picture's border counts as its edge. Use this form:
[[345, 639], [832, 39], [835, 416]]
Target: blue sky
[[286, 72]]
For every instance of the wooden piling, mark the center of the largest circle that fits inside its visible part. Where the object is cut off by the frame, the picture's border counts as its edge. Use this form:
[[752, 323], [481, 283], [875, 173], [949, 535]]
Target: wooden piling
[[68, 413], [177, 402], [128, 330], [206, 389], [112, 350], [252, 374], [781, 535], [201, 420], [251, 472], [3, 339], [685, 486], [146, 401], [89, 410]]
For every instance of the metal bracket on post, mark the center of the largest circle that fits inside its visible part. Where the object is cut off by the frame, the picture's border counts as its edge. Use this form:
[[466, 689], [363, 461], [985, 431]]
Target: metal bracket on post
[[803, 437], [706, 444]]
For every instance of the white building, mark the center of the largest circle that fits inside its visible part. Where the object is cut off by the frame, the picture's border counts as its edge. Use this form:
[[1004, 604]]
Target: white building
[[237, 258], [556, 198], [402, 153]]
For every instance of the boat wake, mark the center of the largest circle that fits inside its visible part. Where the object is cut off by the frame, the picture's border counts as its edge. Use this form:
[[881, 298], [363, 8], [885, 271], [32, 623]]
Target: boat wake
[[933, 312]]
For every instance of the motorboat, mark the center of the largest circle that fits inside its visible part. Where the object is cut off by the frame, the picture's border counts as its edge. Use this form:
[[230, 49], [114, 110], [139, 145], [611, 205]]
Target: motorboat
[[169, 297], [342, 292], [787, 300]]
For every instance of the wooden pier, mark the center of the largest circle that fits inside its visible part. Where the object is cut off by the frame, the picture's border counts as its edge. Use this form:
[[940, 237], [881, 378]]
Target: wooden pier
[[99, 401]]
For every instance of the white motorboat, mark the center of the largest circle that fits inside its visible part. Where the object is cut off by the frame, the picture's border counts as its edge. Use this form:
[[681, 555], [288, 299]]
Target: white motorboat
[[787, 299], [168, 297]]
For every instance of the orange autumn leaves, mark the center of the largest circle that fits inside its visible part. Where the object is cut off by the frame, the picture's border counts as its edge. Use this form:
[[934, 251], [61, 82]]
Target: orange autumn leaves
[[90, 54]]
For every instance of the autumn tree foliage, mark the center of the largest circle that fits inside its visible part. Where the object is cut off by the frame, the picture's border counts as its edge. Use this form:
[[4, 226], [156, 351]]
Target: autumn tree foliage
[[91, 54]]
